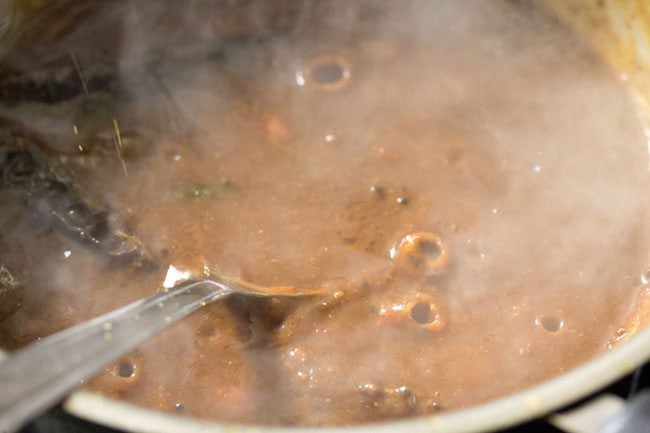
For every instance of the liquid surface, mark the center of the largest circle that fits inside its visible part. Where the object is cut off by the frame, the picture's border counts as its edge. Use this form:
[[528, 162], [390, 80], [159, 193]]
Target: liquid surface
[[470, 189]]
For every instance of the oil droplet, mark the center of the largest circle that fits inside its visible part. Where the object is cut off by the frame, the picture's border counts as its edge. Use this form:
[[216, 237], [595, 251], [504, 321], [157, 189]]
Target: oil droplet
[[107, 326], [108, 336]]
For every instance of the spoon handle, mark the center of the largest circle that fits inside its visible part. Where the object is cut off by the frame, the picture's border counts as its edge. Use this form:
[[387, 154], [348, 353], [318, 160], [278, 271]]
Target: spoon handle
[[38, 376]]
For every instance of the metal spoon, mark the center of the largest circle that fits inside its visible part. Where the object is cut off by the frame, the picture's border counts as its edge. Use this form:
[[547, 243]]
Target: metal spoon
[[38, 376]]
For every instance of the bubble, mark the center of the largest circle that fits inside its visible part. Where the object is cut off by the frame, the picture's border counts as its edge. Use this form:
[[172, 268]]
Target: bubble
[[329, 73], [372, 389], [550, 323], [620, 334], [378, 191], [420, 253], [423, 314], [125, 369], [429, 248], [432, 406]]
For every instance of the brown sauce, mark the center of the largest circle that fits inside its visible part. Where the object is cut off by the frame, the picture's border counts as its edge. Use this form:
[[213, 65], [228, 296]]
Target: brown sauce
[[474, 207]]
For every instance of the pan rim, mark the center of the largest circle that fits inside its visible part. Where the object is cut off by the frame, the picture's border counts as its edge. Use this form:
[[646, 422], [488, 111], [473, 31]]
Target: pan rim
[[503, 412]]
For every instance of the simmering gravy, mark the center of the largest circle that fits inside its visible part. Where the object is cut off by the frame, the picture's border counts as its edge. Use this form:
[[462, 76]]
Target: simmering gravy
[[469, 189]]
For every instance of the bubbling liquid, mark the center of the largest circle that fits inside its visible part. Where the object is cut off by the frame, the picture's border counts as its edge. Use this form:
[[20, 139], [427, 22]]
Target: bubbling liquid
[[472, 199]]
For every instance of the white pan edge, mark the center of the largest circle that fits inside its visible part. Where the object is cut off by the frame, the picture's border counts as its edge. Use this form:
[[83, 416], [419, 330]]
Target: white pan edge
[[528, 404]]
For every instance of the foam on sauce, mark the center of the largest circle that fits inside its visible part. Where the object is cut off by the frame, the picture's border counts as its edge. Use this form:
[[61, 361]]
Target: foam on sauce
[[476, 208]]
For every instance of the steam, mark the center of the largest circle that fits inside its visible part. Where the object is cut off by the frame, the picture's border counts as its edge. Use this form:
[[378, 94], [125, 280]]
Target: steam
[[485, 123]]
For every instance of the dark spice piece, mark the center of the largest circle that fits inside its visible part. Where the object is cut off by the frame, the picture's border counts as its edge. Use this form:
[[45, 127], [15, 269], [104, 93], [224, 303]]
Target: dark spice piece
[[52, 202]]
